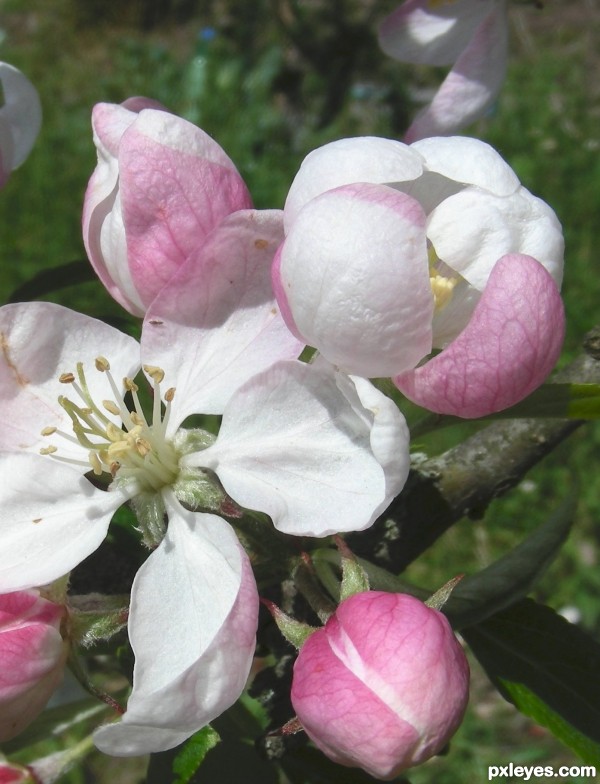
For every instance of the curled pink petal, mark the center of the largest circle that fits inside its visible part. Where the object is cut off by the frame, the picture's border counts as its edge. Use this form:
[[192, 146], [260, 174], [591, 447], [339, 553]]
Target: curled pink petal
[[506, 351]]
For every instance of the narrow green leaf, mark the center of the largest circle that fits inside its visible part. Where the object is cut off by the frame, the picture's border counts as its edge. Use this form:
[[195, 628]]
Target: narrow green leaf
[[527, 702], [48, 280], [511, 577], [192, 754], [528, 644]]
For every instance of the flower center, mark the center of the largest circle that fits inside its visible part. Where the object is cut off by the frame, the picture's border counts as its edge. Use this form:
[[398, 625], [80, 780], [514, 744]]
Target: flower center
[[442, 280], [137, 451]]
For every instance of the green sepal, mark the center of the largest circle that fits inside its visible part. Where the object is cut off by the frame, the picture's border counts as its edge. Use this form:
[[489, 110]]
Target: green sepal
[[354, 578], [95, 617], [438, 599], [295, 632]]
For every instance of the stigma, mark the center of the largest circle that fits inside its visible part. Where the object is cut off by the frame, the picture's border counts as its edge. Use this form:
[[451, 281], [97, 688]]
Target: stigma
[[119, 440]]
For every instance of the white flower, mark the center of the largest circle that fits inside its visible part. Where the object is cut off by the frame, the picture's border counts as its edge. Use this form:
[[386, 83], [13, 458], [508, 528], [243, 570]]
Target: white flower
[[392, 250], [299, 442]]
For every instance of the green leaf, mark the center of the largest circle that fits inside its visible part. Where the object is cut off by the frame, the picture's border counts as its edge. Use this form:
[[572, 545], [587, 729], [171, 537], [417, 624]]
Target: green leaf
[[568, 401], [192, 754], [511, 577], [47, 280], [532, 706], [547, 667]]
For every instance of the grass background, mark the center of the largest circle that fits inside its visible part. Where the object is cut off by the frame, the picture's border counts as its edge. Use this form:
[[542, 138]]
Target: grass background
[[270, 86]]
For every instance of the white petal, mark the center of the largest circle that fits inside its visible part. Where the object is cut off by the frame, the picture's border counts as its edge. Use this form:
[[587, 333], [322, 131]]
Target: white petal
[[355, 274], [420, 31], [192, 626], [293, 446], [389, 432], [520, 223], [217, 323], [22, 111], [52, 518], [362, 159], [39, 342], [472, 85], [468, 161]]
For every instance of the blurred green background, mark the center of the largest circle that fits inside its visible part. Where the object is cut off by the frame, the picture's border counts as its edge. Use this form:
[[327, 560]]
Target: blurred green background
[[271, 80]]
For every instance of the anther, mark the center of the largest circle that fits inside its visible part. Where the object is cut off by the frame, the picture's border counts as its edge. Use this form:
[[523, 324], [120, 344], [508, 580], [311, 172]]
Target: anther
[[169, 394], [130, 384], [111, 407], [48, 431], [66, 378], [102, 364], [48, 450], [155, 373]]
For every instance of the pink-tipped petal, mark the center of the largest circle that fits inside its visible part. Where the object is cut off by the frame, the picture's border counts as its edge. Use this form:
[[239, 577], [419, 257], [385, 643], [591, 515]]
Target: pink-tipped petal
[[428, 33], [355, 273], [192, 626], [346, 161], [506, 351], [472, 85]]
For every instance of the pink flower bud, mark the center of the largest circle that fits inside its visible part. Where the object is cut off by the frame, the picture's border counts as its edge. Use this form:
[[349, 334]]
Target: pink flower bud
[[383, 685], [32, 658], [160, 188]]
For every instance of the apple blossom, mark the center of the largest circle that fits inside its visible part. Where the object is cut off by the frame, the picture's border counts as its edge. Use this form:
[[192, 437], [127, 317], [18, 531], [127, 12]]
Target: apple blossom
[[32, 657], [160, 187], [470, 35], [315, 450], [20, 119], [383, 685], [394, 250]]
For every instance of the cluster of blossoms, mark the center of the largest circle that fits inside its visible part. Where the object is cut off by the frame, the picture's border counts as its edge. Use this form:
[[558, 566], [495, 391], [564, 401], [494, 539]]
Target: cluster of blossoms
[[384, 254]]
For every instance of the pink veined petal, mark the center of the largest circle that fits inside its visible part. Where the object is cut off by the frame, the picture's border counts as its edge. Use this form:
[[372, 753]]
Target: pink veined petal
[[52, 518], [22, 113], [176, 185], [355, 275], [217, 323], [292, 445], [519, 223], [506, 351], [472, 85], [427, 33], [192, 625], [40, 341], [346, 161]]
